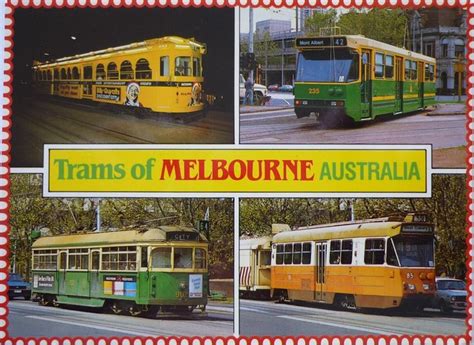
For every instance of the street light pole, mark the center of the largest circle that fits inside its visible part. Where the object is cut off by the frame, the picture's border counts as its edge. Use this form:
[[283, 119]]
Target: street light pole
[[251, 37]]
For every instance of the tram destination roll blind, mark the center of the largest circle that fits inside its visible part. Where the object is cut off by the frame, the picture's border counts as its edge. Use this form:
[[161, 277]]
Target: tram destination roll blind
[[321, 42]]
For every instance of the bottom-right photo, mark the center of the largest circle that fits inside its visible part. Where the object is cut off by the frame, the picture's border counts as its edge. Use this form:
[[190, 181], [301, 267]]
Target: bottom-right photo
[[355, 266]]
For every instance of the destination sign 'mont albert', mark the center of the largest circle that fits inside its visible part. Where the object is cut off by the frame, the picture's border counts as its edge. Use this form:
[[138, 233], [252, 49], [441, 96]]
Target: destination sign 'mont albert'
[[321, 42]]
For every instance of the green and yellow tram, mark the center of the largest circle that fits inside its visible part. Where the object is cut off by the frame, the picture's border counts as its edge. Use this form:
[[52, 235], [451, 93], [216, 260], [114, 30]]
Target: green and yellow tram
[[152, 270], [160, 76], [347, 79]]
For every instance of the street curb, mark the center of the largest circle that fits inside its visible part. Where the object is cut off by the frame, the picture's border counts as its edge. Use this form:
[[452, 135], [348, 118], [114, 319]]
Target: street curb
[[445, 114], [264, 109]]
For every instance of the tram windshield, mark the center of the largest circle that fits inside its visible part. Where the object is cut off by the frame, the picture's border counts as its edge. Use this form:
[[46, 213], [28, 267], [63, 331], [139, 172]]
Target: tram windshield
[[338, 65], [415, 251]]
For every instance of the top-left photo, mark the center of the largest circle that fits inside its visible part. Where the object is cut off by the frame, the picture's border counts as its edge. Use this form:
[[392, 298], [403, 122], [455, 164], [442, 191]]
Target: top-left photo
[[121, 76]]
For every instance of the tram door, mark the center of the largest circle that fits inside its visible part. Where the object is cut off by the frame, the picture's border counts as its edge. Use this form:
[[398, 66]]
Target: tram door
[[366, 84], [95, 285], [398, 85], [420, 83], [320, 294], [62, 273]]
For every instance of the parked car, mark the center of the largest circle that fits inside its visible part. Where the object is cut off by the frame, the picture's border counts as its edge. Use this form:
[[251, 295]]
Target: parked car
[[260, 92], [18, 287], [451, 294], [273, 87], [286, 88]]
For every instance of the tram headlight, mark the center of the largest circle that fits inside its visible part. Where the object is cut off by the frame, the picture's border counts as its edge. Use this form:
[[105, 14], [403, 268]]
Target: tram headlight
[[411, 287], [426, 287], [182, 286]]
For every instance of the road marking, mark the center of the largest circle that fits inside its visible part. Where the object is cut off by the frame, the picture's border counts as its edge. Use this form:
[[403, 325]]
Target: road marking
[[266, 111], [254, 310], [364, 329], [266, 117], [104, 328]]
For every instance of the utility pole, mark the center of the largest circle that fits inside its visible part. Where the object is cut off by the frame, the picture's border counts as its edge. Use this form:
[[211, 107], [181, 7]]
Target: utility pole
[[97, 210], [296, 9], [251, 37]]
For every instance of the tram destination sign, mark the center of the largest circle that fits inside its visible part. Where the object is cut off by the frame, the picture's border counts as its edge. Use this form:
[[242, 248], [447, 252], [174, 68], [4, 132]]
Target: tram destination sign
[[182, 236], [321, 42], [416, 228]]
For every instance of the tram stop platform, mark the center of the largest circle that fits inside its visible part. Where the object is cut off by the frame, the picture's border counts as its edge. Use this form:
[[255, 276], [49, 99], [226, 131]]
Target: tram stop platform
[[445, 109]]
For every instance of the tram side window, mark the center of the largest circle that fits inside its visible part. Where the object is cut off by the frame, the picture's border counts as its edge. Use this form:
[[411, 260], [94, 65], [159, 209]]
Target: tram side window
[[144, 257], [63, 74], [288, 254], [75, 73], [56, 74], [112, 73], [69, 74], [44, 75], [49, 75], [374, 251], [119, 258], [164, 66], [126, 70], [62, 260], [280, 254], [142, 69], [391, 256], [45, 259], [379, 67], [306, 253], [346, 252], [78, 259], [414, 75], [388, 66], [100, 72], [95, 260], [87, 72], [407, 69], [182, 66], [429, 73], [335, 252], [183, 258], [297, 253], [265, 258], [161, 258], [196, 67], [199, 258]]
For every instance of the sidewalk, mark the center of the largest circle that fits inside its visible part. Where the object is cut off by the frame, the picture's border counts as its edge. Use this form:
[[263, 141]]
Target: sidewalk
[[248, 109], [448, 109]]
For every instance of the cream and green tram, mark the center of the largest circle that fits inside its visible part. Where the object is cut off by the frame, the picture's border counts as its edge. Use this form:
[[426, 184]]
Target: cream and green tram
[[145, 270], [378, 263]]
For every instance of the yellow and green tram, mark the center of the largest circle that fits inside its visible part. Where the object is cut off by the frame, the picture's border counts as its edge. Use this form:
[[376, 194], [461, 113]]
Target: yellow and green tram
[[151, 270], [162, 75], [379, 263], [347, 79]]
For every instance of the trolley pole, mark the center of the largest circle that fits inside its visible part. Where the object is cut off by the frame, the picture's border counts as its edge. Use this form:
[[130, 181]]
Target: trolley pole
[[97, 210], [251, 37]]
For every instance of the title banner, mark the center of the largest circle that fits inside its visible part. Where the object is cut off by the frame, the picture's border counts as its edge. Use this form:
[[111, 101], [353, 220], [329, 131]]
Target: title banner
[[127, 170]]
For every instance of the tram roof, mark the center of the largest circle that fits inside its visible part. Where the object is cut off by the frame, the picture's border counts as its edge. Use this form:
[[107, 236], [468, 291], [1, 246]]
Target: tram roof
[[355, 41], [131, 48], [255, 243], [377, 228], [121, 237]]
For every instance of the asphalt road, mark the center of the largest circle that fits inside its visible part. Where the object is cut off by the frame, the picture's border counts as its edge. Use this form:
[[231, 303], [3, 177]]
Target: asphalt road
[[37, 122], [264, 318], [28, 319]]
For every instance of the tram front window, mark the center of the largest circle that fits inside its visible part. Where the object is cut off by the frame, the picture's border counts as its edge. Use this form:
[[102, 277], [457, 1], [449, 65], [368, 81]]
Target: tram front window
[[182, 66], [161, 258], [338, 65], [183, 258], [415, 251]]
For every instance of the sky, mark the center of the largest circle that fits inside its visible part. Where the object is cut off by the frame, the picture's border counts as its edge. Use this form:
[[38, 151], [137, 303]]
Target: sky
[[264, 14]]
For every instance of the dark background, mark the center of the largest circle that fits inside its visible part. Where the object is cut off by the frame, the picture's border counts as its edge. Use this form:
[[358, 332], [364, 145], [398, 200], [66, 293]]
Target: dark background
[[40, 31]]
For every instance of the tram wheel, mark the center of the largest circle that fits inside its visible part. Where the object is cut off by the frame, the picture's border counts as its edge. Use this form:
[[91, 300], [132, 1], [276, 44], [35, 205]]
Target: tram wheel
[[55, 302], [44, 301], [346, 302], [116, 307], [135, 310]]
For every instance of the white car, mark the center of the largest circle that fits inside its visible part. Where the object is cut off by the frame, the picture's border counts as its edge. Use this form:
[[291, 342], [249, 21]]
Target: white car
[[260, 92]]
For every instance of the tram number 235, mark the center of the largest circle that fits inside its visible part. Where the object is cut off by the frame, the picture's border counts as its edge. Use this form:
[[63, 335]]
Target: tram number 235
[[313, 91]]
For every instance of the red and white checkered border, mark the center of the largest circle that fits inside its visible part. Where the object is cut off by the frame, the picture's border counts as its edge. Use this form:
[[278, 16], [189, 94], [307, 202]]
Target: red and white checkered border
[[5, 136]]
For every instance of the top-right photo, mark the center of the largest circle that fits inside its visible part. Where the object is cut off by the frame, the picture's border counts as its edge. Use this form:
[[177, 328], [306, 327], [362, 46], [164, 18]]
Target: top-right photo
[[378, 76]]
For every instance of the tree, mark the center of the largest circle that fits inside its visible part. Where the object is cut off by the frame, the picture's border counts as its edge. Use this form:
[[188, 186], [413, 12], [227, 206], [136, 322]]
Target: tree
[[264, 48], [320, 20]]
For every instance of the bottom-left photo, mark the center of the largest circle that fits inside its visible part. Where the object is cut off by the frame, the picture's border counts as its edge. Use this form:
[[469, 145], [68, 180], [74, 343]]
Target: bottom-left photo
[[112, 267]]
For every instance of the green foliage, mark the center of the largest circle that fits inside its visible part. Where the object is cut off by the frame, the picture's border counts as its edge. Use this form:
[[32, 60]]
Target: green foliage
[[383, 25], [446, 208], [29, 212], [262, 46]]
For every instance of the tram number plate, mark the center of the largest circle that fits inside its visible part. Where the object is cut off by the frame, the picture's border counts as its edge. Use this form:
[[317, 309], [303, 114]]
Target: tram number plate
[[313, 91], [17, 291], [181, 294]]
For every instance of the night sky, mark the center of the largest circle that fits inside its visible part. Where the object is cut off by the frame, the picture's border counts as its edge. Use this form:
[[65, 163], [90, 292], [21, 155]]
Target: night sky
[[50, 31]]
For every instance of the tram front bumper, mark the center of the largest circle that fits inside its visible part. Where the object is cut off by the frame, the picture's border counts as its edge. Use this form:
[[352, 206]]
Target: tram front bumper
[[304, 108]]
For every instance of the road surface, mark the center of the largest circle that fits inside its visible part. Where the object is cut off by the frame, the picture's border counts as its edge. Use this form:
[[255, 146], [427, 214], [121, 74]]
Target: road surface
[[270, 318], [28, 319], [36, 123], [443, 132]]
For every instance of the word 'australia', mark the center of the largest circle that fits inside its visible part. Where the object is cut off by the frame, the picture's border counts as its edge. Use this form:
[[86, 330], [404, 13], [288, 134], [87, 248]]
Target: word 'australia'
[[369, 171]]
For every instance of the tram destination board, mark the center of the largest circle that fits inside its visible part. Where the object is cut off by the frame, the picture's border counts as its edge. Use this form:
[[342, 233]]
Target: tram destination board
[[182, 236], [321, 42]]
